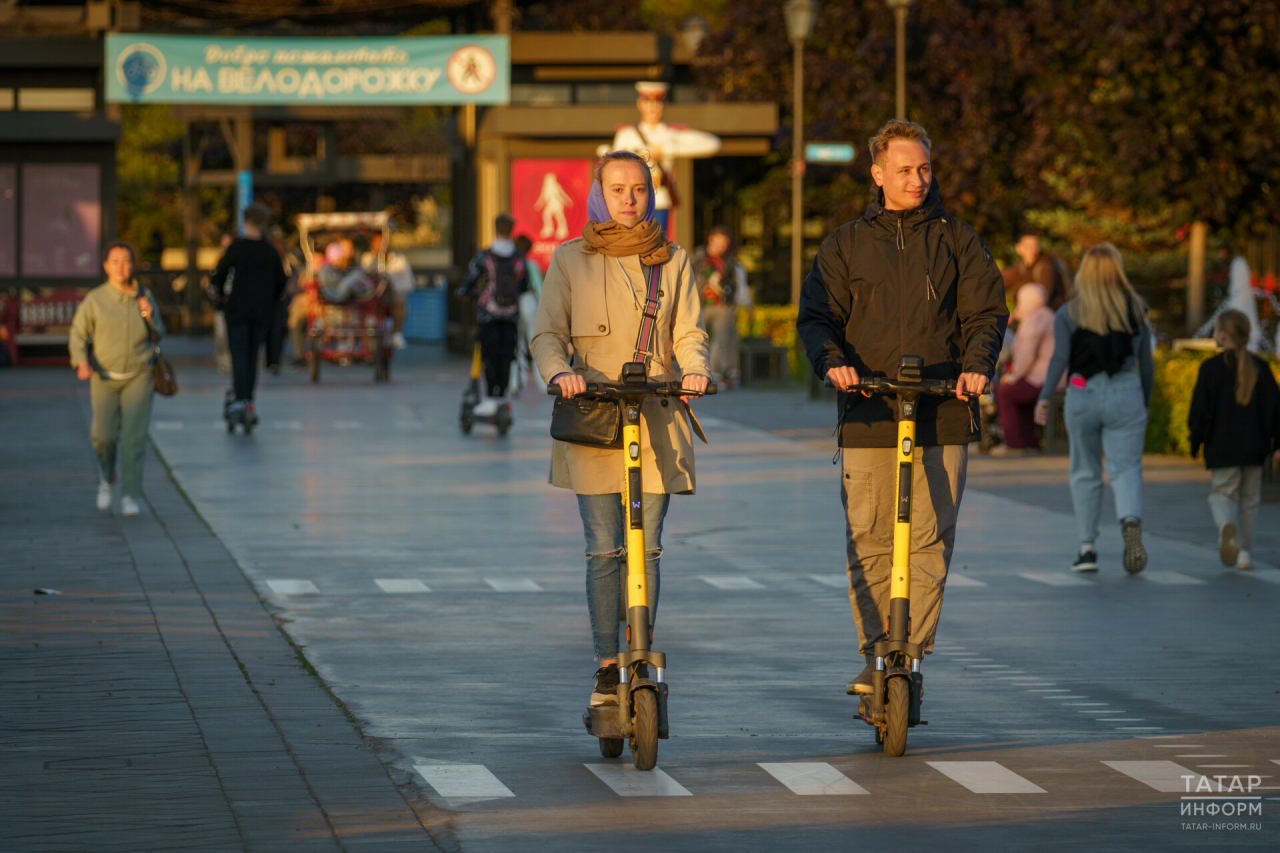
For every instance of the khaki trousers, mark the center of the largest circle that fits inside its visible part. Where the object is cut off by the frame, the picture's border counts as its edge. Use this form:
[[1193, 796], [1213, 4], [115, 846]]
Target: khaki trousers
[[121, 414], [868, 488], [722, 326]]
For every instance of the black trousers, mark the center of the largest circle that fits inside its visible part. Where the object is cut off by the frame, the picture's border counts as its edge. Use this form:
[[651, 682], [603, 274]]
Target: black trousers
[[497, 350], [245, 340]]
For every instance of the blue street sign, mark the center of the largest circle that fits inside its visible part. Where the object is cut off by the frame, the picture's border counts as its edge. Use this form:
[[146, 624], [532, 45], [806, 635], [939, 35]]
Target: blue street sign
[[829, 152], [244, 197]]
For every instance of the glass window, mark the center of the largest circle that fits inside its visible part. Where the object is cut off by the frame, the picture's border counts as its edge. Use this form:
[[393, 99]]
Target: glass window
[[61, 220], [8, 220], [6, 99], [541, 94]]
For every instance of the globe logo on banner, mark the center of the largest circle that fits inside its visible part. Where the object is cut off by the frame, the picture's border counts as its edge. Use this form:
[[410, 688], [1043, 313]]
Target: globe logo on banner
[[471, 69], [140, 68]]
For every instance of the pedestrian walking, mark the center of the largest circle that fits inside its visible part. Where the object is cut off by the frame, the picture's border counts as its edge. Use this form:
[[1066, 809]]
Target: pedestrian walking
[[112, 344], [1102, 339], [593, 299], [722, 282], [1031, 351], [1235, 417], [905, 279], [1036, 265], [497, 277], [246, 286]]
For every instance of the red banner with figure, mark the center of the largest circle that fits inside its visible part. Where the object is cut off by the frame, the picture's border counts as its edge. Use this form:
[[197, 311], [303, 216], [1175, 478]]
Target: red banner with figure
[[549, 202]]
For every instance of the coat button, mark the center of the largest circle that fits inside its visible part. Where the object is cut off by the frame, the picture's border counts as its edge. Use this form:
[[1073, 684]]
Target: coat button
[[601, 328]]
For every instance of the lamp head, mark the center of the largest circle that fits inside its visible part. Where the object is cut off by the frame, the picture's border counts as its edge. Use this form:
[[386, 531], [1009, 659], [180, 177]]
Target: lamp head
[[800, 15]]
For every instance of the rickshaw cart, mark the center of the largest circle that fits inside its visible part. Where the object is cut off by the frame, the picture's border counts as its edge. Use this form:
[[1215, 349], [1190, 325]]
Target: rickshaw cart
[[351, 331]]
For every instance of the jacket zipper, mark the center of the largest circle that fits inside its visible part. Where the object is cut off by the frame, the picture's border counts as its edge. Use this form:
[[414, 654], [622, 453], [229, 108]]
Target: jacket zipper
[[928, 280], [902, 306]]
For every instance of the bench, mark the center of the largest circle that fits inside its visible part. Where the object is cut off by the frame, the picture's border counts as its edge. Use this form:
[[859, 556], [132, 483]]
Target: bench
[[39, 324], [761, 362]]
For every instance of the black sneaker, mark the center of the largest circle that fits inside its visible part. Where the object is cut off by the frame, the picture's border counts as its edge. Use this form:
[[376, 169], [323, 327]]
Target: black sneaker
[[1086, 562], [606, 690], [862, 682], [1135, 556]]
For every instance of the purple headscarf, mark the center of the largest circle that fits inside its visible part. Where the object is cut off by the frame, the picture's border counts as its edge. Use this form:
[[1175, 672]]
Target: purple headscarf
[[598, 211]]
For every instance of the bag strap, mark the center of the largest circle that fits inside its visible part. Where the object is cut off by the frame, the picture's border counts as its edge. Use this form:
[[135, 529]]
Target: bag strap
[[649, 319]]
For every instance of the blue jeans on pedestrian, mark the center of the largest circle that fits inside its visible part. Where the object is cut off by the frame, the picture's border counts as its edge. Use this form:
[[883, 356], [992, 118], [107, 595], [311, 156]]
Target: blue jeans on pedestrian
[[1107, 416], [604, 524]]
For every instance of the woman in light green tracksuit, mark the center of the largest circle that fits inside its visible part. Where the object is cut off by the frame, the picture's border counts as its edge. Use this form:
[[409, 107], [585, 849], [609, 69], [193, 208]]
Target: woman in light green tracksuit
[[111, 346]]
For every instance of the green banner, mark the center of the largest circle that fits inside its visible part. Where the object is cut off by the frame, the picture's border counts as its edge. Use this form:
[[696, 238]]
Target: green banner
[[160, 69]]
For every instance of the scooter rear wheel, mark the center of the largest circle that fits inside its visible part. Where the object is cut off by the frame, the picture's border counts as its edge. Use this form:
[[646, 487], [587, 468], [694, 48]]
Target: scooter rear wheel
[[895, 736], [644, 745], [610, 747]]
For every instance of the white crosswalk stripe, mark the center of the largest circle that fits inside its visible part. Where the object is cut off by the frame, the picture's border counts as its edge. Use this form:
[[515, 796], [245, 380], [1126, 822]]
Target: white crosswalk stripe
[[1055, 578], [463, 781], [167, 425], [1171, 578], [731, 582], [627, 781], [813, 778], [289, 586], [962, 580], [512, 585], [1268, 575], [401, 585], [1164, 776], [833, 581], [986, 777]]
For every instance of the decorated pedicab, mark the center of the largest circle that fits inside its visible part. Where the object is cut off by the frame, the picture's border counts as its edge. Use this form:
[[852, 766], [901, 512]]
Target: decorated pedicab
[[348, 314]]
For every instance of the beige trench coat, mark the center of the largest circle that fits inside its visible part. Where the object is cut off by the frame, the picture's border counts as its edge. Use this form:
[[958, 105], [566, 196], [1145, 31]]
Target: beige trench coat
[[595, 303]]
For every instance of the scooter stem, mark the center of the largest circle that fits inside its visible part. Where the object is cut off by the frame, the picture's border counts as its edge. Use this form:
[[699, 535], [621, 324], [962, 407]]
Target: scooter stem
[[633, 512], [900, 582]]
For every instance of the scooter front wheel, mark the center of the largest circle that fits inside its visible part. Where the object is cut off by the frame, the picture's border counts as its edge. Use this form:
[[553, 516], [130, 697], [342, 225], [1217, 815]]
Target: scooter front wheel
[[895, 736], [644, 745], [610, 747]]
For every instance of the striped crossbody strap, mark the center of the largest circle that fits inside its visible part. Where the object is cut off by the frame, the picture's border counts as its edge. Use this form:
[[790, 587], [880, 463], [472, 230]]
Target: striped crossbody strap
[[649, 319]]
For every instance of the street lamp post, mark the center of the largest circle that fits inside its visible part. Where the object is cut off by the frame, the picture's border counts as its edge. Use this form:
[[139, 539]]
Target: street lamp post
[[899, 8], [800, 15]]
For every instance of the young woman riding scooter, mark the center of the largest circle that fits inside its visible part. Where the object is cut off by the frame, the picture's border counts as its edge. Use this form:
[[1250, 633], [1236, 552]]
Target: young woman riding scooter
[[593, 299]]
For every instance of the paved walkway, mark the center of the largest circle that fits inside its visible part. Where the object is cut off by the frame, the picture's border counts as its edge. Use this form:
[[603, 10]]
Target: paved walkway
[[150, 702]]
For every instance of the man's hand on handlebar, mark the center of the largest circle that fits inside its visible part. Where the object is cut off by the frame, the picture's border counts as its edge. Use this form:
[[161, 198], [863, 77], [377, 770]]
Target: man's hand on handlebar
[[570, 384], [970, 383], [695, 382], [843, 377]]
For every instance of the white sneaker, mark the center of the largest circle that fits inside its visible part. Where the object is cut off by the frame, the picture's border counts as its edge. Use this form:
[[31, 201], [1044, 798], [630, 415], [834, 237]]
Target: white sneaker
[[104, 496], [128, 506], [1244, 562], [486, 408], [398, 341]]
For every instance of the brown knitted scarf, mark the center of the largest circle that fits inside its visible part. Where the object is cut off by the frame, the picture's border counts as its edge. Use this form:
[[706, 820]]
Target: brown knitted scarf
[[646, 240]]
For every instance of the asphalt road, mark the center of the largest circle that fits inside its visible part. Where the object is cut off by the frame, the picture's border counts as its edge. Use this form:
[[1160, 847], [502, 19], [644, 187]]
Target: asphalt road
[[435, 581]]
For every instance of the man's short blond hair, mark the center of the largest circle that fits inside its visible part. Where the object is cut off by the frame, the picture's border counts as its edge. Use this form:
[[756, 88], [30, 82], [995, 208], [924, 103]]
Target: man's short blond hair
[[897, 129]]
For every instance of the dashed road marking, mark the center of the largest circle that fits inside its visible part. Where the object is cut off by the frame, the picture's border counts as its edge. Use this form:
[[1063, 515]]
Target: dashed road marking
[[627, 781], [1268, 575], [289, 425], [813, 778], [833, 581], [1055, 579], [1171, 578], [401, 585], [1164, 776], [167, 425], [1201, 755], [286, 586], [347, 425], [512, 585], [986, 777], [731, 582], [962, 580], [463, 781]]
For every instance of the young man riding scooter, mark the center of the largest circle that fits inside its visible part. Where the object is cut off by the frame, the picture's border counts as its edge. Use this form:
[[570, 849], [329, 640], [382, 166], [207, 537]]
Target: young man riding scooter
[[905, 279]]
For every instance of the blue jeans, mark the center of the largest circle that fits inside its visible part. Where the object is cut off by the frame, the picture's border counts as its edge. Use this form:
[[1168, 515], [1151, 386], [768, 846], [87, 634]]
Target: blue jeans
[[1106, 416], [604, 524]]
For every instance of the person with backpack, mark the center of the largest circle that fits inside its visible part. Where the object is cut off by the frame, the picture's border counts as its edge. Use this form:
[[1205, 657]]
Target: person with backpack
[[722, 282], [246, 286], [1235, 417], [905, 279], [496, 278]]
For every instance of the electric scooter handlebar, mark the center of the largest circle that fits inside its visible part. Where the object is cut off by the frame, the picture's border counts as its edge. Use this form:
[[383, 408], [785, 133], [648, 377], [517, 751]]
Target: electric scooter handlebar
[[649, 389], [885, 385]]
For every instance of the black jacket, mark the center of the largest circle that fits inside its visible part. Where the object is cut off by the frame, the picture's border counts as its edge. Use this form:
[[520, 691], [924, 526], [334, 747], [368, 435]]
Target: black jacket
[[895, 283], [252, 291], [1233, 434]]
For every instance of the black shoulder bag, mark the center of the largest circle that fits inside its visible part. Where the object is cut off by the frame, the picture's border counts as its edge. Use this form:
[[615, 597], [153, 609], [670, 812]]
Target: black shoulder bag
[[598, 423]]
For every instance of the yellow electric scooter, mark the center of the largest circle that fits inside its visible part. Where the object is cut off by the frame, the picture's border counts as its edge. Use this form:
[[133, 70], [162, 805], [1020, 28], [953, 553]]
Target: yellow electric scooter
[[641, 712], [898, 685]]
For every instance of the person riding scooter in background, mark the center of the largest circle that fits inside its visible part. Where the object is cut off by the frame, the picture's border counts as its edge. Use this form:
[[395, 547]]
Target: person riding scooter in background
[[598, 280], [906, 278], [246, 286], [497, 278]]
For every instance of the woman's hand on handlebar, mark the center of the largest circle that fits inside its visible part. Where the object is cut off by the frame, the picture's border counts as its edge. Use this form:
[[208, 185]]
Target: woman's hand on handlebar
[[694, 382], [970, 383], [570, 384], [842, 377]]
